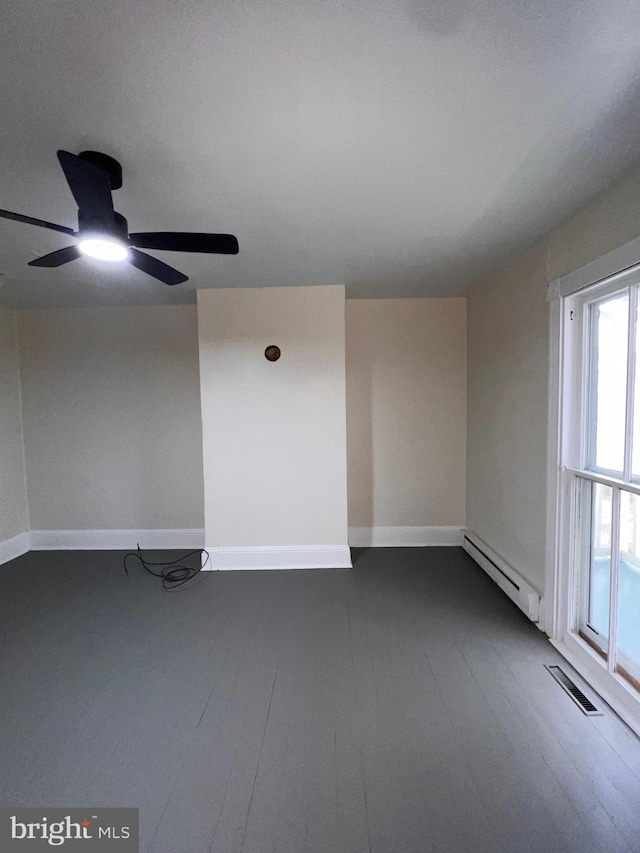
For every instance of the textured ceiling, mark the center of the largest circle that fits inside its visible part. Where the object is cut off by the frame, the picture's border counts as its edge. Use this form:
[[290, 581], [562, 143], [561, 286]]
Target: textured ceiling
[[399, 147]]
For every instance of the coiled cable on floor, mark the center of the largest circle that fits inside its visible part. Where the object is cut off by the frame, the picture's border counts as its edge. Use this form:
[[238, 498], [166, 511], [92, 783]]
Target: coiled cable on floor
[[174, 573]]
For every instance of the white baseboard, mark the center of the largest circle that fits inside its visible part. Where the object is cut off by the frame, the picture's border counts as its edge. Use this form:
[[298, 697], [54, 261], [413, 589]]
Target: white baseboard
[[121, 540], [505, 576], [279, 557], [390, 537], [14, 547]]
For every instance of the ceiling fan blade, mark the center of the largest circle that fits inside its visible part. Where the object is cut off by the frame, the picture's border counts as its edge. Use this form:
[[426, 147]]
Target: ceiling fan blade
[[184, 241], [56, 259], [91, 188], [155, 268], [7, 214]]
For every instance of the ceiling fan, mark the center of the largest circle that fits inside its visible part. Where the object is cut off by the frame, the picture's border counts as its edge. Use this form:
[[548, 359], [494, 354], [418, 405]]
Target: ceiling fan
[[103, 233]]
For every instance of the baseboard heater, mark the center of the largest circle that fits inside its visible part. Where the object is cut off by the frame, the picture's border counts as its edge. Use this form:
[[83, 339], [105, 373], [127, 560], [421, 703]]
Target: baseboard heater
[[504, 575]]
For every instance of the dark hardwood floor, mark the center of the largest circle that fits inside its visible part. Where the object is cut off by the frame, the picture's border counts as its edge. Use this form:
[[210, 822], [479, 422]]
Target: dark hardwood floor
[[399, 706]]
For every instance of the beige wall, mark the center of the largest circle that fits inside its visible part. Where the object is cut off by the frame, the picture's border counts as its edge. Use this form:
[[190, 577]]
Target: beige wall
[[507, 401], [406, 412], [13, 499], [112, 417], [507, 384], [611, 219], [273, 433], [112, 413]]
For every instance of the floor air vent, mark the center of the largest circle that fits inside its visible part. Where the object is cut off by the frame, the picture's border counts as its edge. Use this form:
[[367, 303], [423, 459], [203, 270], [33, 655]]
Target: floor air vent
[[586, 706]]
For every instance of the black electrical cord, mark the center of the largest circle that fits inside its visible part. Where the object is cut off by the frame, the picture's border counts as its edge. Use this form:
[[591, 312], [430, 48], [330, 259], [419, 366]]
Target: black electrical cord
[[173, 573]]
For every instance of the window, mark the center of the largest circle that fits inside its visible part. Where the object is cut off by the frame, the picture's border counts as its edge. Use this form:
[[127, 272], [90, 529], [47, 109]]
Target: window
[[601, 458]]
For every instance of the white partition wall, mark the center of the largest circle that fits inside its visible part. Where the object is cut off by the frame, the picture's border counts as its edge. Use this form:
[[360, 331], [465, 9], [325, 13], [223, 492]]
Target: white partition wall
[[274, 433]]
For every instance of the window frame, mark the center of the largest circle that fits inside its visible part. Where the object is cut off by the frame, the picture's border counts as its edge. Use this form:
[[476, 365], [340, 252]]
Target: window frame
[[569, 420]]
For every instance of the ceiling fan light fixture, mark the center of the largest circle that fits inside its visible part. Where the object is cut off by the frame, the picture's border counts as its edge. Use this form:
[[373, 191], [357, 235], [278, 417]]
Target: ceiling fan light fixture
[[104, 248], [103, 233]]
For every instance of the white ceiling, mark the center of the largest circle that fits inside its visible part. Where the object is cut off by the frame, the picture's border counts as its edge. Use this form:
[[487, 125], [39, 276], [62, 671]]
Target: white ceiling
[[399, 147]]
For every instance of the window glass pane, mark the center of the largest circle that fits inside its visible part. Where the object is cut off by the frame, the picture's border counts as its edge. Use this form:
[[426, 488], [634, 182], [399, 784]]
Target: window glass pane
[[635, 455], [628, 628], [600, 560], [609, 332]]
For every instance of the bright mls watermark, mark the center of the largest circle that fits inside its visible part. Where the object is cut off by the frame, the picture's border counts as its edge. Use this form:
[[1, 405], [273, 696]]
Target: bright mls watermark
[[39, 829]]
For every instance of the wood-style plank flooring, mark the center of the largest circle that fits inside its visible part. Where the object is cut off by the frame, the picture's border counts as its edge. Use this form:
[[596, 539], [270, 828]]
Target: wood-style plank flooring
[[399, 706]]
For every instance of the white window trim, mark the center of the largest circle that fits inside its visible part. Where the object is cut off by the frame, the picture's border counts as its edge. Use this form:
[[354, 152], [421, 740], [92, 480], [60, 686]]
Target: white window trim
[[624, 259], [620, 267]]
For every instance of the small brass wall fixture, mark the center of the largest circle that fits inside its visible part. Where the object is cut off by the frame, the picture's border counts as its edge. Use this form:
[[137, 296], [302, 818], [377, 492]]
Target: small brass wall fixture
[[272, 352]]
